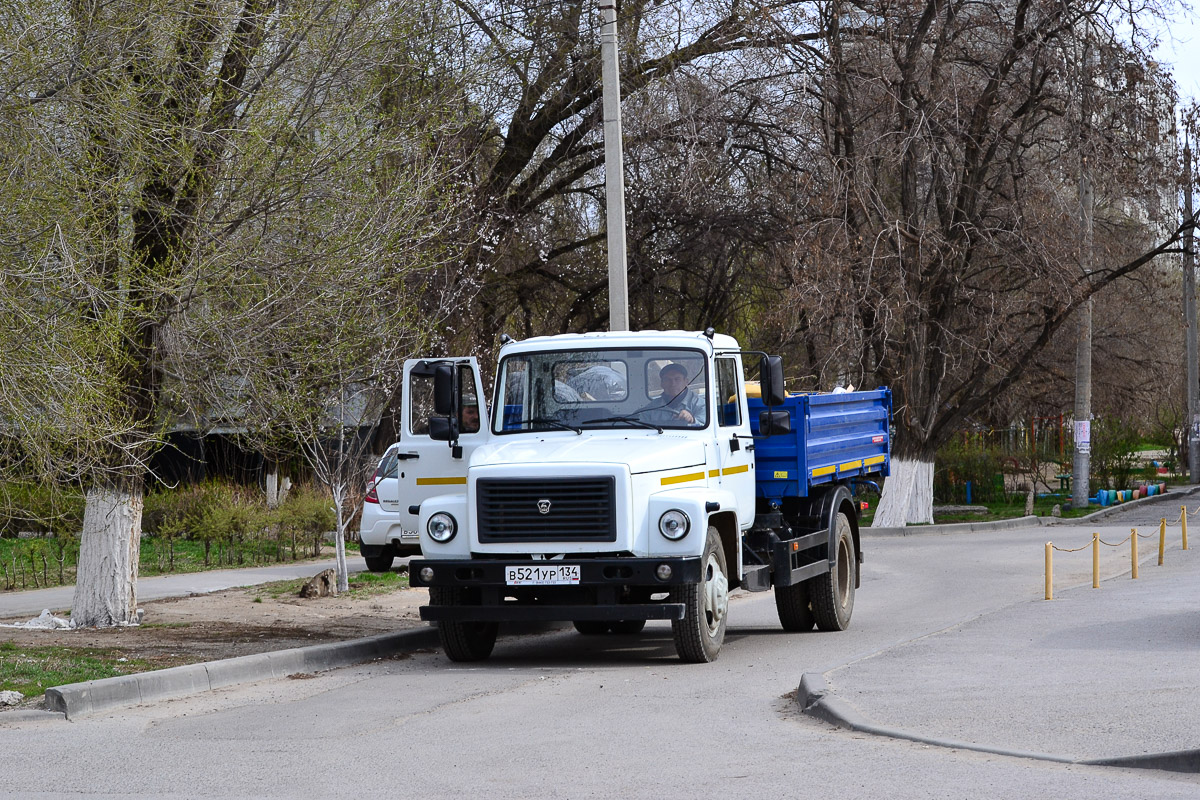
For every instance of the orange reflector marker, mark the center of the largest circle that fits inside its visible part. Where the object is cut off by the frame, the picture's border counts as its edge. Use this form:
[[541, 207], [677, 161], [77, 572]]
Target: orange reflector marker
[[795, 547]]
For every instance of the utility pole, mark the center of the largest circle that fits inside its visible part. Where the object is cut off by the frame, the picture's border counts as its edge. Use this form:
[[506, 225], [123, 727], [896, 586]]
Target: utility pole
[[1189, 299], [614, 173], [1081, 462]]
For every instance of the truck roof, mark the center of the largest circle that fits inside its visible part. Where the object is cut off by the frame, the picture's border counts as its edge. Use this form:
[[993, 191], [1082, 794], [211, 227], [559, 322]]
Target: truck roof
[[631, 339]]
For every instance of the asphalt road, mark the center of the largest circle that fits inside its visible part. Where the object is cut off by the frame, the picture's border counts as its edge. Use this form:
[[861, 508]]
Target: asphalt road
[[558, 714]]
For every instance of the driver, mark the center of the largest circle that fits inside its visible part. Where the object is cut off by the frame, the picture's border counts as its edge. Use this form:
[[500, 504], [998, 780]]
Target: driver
[[677, 402]]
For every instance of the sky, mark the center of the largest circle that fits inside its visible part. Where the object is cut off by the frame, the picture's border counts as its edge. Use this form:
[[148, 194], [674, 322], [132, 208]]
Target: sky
[[1181, 48]]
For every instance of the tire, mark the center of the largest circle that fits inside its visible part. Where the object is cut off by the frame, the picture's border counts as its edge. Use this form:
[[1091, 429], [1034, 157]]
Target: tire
[[833, 593], [381, 563], [627, 627], [462, 641], [591, 627], [792, 605], [698, 636]]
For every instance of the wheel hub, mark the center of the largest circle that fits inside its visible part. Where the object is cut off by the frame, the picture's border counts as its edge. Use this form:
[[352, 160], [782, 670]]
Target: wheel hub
[[716, 594]]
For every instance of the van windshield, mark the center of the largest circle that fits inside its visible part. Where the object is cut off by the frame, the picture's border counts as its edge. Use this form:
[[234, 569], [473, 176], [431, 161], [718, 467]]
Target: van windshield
[[657, 388]]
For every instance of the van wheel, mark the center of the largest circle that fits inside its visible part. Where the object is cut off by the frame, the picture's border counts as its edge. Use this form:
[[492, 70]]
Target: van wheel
[[627, 627], [833, 592], [591, 627], [462, 641], [698, 636]]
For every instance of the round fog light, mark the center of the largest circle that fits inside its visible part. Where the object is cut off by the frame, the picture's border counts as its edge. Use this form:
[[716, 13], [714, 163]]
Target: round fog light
[[426, 574], [663, 572], [674, 525]]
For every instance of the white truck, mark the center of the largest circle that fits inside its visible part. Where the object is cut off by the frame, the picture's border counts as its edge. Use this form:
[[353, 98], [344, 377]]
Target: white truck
[[626, 477]]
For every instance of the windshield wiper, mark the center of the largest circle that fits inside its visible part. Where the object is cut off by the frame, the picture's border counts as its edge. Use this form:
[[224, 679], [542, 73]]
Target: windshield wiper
[[629, 419], [554, 422]]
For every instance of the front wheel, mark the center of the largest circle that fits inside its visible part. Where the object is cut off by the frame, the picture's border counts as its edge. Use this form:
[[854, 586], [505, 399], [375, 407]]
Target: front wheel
[[699, 635], [462, 641], [833, 593]]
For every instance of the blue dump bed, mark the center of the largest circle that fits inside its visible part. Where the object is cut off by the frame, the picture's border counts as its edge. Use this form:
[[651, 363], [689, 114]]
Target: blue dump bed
[[834, 437]]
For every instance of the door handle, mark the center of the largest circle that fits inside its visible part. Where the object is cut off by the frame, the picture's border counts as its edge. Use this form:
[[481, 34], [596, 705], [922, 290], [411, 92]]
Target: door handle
[[407, 456]]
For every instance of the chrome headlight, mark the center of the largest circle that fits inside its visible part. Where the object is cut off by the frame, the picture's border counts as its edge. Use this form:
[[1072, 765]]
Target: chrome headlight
[[674, 525], [441, 527]]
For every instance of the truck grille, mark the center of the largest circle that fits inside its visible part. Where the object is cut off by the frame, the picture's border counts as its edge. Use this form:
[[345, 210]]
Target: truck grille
[[547, 510]]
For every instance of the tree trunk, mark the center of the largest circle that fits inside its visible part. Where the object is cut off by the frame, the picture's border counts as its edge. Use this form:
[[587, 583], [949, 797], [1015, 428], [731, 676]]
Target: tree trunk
[[272, 481], [907, 494], [106, 578], [339, 538]]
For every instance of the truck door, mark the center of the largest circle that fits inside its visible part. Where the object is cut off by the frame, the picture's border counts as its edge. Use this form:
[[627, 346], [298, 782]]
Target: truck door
[[734, 445], [426, 467]]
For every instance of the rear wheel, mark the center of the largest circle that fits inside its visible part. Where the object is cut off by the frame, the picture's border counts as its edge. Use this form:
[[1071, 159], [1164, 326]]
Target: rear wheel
[[462, 641], [591, 627], [833, 592], [792, 604], [627, 627], [381, 563], [698, 636]]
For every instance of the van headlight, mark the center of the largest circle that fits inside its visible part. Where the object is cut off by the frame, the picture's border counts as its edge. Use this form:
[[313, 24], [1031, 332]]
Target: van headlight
[[441, 527], [674, 525]]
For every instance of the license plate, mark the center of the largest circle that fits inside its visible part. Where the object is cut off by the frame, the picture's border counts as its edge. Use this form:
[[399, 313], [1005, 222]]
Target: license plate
[[542, 575]]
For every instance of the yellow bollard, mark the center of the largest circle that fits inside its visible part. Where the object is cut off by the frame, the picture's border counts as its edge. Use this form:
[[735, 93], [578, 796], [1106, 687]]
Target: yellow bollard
[[1183, 509], [1162, 539], [1133, 552], [1049, 570], [1095, 561]]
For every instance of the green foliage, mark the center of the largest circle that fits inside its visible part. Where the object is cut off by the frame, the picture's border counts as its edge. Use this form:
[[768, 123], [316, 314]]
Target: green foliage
[[1115, 460], [963, 460], [40, 508], [190, 529], [306, 516], [31, 670]]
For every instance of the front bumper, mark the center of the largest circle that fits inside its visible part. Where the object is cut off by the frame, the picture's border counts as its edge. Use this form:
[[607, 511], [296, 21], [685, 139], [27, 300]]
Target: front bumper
[[608, 589]]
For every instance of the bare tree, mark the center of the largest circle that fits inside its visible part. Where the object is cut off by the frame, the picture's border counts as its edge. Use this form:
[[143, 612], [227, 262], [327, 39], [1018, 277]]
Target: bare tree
[[150, 147]]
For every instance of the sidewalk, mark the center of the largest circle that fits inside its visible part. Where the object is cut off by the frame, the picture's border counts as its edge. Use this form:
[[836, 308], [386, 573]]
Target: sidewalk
[[58, 598], [1094, 674]]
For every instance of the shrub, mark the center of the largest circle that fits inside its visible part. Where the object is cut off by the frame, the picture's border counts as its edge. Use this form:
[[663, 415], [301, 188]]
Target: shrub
[[43, 508]]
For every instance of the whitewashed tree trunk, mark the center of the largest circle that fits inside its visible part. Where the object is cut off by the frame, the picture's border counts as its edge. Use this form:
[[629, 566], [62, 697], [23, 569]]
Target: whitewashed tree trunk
[[339, 538], [285, 486], [106, 580], [272, 481], [907, 495]]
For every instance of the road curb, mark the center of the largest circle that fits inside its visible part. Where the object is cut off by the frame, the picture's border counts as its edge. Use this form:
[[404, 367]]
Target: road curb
[[816, 700], [77, 700], [1031, 521], [957, 527]]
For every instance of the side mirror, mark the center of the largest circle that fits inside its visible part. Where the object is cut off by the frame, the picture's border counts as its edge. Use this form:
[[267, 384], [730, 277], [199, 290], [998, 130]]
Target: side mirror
[[770, 379], [444, 429], [774, 423], [445, 378]]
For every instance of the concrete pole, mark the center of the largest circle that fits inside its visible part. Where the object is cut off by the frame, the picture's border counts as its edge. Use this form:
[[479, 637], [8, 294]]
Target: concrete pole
[[1189, 299], [1082, 459], [614, 173]]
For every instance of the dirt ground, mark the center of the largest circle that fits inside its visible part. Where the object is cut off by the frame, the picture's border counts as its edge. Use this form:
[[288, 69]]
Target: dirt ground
[[236, 622]]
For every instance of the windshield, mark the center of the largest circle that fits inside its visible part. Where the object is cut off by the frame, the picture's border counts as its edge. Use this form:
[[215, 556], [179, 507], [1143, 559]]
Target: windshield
[[579, 390]]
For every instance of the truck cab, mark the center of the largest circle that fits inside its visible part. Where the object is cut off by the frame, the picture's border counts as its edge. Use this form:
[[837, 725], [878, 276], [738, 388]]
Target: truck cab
[[617, 484]]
